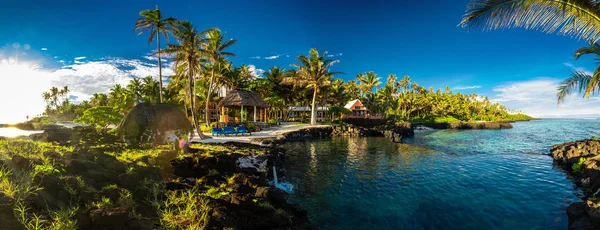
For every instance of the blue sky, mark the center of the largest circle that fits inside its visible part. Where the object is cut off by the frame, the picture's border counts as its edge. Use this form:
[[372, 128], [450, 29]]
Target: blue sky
[[419, 38]]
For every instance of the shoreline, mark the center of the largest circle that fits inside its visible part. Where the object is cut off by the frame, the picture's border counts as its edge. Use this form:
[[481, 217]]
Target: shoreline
[[581, 160]]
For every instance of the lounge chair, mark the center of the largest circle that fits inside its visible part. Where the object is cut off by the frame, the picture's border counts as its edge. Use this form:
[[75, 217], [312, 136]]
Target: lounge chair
[[229, 130], [217, 131], [242, 130]]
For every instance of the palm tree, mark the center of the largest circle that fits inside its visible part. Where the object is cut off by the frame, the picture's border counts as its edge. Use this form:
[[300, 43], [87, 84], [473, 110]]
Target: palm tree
[[579, 80], [136, 88], [213, 48], [312, 72], [188, 61], [577, 18], [368, 82], [153, 22]]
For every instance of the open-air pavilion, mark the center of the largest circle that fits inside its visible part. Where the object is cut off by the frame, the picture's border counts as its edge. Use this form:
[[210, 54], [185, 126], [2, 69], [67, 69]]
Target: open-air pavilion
[[243, 100]]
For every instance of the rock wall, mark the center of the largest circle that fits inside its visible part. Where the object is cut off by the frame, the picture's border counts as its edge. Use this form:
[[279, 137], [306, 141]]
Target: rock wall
[[395, 133], [586, 214]]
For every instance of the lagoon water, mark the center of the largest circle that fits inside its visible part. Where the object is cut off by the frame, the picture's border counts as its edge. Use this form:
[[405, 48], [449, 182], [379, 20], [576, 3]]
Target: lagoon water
[[471, 179], [15, 132]]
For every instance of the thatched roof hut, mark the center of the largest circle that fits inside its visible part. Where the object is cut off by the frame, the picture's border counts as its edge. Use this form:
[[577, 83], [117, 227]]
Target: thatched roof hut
[[238, 98], [152, 122]]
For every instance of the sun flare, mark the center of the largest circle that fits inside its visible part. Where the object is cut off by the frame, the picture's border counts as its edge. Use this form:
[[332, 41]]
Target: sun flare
[[20, 92]]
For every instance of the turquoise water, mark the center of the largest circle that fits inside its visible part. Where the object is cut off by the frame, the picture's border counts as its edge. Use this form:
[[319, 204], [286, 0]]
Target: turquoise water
[[473, 179]]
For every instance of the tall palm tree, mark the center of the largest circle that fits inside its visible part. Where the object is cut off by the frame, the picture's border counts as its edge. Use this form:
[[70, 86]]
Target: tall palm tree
[[577, 18], [312, 72], [188, 61], [579, 80], [153, 22], [368, 82], [213, 48]]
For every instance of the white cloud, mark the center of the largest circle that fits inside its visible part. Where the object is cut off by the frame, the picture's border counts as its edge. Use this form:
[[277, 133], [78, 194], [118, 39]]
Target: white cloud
[[334, 55], [467, 87], [272, 57], [580, 69], [44, 49], [255, 57], [538, 98], [79, 58], [84, 79], [88, 78], [255, 72]]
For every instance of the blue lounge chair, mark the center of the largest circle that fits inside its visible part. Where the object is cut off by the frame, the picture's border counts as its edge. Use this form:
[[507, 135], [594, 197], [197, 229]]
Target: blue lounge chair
[[242, 130], [217, 131], [229, 130]]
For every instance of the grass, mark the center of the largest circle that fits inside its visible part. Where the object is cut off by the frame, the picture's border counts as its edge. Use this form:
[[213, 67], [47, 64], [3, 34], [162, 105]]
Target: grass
[[184, 210], [17, 184]]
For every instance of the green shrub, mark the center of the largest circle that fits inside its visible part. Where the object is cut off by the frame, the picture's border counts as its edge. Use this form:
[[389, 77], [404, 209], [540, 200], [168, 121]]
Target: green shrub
[[578, 167], [100, 117], [208, 129]]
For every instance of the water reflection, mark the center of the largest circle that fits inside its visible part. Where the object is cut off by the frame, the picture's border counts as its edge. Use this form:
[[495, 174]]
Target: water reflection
[[14, 132], [371, 183]]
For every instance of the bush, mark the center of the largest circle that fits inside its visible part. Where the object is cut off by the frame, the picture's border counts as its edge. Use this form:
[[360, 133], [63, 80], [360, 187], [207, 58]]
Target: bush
[[578, 167], [208, 129], [100, 117]]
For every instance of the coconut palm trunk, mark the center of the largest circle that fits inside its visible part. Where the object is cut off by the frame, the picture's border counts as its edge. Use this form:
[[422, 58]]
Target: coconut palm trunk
[[207, 108], [313, 117], [160, 82]]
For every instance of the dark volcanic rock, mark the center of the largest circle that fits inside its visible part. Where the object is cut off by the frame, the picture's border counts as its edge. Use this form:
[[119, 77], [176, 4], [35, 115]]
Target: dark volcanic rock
[[20, 162], [569, 153], [109, 218], [582, 215]]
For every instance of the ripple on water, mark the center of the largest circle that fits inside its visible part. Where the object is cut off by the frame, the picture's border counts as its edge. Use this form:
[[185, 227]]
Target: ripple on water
[[474, 179]]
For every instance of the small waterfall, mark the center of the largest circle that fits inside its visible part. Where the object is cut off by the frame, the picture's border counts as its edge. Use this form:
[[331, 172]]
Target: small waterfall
[[287, 187]]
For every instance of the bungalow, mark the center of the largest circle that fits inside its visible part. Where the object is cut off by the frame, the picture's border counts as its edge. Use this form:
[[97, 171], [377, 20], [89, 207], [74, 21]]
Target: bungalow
[[359, 111], [303, 113]]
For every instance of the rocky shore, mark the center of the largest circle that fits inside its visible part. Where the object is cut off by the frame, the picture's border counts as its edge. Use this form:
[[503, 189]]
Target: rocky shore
[[84, 179], [581, 160], [393, 132]]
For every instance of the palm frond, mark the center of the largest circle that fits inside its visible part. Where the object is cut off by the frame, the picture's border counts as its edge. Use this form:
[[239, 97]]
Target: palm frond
[[576, 83], [592, 49], [576, 18]]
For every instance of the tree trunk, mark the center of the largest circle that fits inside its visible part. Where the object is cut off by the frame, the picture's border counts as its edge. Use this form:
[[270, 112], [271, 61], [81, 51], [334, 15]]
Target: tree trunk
[[207, 109], [160, 88], [313, 117]]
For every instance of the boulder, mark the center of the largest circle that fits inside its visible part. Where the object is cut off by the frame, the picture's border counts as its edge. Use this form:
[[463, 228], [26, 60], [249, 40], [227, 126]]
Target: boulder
[[20, 162], [109, 218], [154, 122]]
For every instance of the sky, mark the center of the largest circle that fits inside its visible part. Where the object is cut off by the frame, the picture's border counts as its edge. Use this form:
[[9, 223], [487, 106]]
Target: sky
[[90, 46]]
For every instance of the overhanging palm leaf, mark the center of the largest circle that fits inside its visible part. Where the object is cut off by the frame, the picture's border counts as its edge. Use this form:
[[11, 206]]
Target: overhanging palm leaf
[[577, 18], [578, 82]]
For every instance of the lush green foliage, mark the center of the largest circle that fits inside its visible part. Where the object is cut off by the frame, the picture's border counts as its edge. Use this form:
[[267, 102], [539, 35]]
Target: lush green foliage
[[578, 167], [100, 116]]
